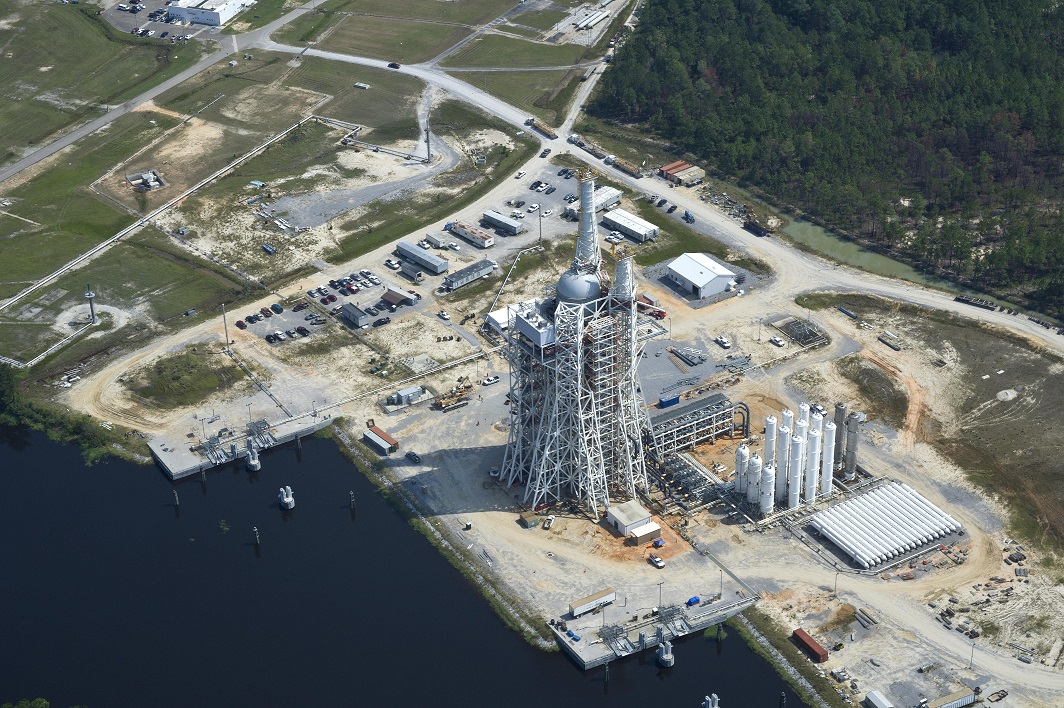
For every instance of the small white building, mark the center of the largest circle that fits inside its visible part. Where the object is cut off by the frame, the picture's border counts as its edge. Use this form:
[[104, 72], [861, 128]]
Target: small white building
[[630, 225], [604, 198], [700, 275], [627, 517], [207, 12]]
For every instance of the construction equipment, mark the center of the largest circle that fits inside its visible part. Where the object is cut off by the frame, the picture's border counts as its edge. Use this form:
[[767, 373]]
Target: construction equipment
[[457, 397]]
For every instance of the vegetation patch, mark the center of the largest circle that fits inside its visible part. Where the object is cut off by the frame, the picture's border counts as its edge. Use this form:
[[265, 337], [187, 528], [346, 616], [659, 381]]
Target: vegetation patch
[[545, 94], [187, 378], [493, 50], [838, 112], [883, 398], [392, 38], [541, 19]]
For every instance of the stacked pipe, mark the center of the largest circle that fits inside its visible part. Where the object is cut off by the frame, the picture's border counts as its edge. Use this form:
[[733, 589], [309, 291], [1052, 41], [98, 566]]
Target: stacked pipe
[[884, 524]]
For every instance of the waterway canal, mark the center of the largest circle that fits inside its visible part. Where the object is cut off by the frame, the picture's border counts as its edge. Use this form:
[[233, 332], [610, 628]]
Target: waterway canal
[[113, 596]]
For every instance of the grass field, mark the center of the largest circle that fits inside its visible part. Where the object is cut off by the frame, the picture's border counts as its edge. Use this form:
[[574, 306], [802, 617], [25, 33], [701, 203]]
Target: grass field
[[49, 83], [391, 98], [186, 378], [466, 12], [493, 50], [521, 31], [401, 40], [533, 91], [262, 13], [540, 19]]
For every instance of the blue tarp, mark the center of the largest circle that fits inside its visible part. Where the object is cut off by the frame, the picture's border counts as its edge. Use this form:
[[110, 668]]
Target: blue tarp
[[694, 601]]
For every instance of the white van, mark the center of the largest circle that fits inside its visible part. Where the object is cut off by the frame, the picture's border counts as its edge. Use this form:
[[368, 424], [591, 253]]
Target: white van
[[123, 7]]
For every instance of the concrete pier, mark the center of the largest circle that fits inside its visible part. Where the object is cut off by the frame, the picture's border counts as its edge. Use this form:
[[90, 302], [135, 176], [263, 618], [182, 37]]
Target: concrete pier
[[600, 645], [184, 458]]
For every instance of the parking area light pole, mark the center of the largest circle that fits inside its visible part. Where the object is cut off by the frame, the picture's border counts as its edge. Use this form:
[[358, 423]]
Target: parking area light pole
[[659, 593]]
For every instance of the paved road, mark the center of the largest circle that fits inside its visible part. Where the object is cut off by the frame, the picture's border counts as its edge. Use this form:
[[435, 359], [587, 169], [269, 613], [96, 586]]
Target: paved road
[[230, 45]]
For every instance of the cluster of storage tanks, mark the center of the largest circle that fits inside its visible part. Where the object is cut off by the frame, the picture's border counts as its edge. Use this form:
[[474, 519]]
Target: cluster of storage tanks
[[883, 524], [799, 458]]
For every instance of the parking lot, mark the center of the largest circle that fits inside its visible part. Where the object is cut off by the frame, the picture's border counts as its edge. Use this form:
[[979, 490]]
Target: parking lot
[[146, 21]]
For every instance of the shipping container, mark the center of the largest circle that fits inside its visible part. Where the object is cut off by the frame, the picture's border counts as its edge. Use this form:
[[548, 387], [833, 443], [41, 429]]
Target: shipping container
[[592, 602], [811, 646]]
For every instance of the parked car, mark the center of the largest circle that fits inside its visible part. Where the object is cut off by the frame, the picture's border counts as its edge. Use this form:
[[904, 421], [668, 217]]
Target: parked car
[[655, 561], [309, 317], [443, 315], [413, 456], [548, 212], [393, 65], [672, 209], [382, 321], [276, 308], [300, 307], [489, 381], [546, 151], [535, 184], [270, 339], [662, 202], [723, 341], [533, 208], [279, 336], [548, 522], [454, 246], [372, 311], [778, 341], [240, 324], [562, 172], [324, 301], [519, 203], [331, 298], [551, 190]]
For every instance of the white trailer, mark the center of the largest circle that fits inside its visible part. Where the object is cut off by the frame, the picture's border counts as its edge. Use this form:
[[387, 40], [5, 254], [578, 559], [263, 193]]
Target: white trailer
[[592, 602]]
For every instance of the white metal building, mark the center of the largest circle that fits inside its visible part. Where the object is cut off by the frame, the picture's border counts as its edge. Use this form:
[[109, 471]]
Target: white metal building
[[875, 699], [603, 198], [630, 225], [468, 274], [474, 234], [628, 516], [700, 275], [503, 223], [207, 12]]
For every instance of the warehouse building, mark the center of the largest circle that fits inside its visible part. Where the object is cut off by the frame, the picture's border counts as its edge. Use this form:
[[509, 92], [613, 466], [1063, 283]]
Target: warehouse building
[[429, 261], [700, 275], [395, 296], [682, 173], [630, 225], [468, 274], [603, 198], [503, 223], [355, 315], [207, 12]]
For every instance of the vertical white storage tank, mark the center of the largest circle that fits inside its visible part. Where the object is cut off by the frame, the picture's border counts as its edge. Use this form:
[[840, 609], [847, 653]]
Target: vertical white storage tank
[[812, 457], [827, 458], [853, 421], [783, 453], [801, 429], [770, 440], [742, 459], [768, 479], [794, 491], [816, 422], [787, 418], [803, 412], [753, 478], [840, 424]]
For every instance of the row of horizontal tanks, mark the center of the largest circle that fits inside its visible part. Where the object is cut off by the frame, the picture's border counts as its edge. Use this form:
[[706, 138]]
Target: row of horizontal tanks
[[799, 459]]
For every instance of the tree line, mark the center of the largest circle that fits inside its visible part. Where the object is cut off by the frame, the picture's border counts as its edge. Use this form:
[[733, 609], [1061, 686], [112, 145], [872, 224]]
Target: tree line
[[931, 129]]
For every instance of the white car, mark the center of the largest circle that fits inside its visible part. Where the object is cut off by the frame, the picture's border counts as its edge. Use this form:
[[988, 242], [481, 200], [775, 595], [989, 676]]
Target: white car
[[548, 212], [454, 246], [375, 280], [542, 187], [548, 522], [656, 561], [723, 341], [533, 208], [520, 174], [490, 380], [443, 315], [778, 341], [614, 239]]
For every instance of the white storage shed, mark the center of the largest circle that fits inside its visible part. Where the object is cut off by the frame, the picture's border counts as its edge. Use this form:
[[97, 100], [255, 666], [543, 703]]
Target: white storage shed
[[700, 275]]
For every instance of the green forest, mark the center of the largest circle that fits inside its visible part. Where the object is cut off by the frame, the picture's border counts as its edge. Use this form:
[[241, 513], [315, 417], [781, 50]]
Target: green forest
[[929, 129]]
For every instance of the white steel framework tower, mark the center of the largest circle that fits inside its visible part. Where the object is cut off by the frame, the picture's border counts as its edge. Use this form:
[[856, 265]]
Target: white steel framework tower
[[576, 418]]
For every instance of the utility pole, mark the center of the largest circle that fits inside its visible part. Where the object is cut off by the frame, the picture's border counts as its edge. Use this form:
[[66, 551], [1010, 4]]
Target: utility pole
[[659, 593], [225, 326]]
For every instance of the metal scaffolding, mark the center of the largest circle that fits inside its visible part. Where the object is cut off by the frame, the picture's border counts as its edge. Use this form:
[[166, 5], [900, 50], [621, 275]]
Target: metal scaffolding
[[702, 421], [577, 427]]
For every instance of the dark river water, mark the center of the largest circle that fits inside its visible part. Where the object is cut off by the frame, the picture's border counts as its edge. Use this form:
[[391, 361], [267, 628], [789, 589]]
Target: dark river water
[[110, 597]]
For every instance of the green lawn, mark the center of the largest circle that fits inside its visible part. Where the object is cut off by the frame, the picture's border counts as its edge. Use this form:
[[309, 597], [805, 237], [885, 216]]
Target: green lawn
[[494, 50], [390, 99], [262, 13], [540, 19], [545, 94], [407, 41], [467, 12], [47, 84], [522, 31], [187, 378]]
